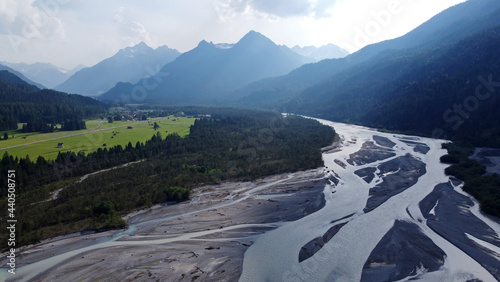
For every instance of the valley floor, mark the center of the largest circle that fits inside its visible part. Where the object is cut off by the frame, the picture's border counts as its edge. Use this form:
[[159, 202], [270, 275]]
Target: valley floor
[[381, 209]]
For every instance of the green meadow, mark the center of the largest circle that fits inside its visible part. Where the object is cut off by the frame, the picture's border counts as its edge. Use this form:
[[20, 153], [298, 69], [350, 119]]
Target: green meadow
[[99, 134]]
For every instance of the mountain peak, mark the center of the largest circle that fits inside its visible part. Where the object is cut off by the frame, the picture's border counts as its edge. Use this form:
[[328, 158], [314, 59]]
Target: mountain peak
[[254, 35], [254, 40], [203, 43], [138, 48], [141, 44], [162, 47]]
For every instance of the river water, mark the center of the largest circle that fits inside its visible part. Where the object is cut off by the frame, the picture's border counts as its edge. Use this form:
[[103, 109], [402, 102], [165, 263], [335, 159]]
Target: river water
[[274, 256]]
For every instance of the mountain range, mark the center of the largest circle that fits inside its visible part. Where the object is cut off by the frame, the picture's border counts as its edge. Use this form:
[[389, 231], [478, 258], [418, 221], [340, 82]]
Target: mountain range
[[21, 76], [209, 73], [416, 83], [451, 25], [329, 51], [419, 83], [45, 73], [128, 65]]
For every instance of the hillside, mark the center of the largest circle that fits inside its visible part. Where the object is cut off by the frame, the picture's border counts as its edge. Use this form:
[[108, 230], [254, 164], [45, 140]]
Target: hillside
[[431, 92], [44, 73], [21, 102], [21, 76], [10, 80]]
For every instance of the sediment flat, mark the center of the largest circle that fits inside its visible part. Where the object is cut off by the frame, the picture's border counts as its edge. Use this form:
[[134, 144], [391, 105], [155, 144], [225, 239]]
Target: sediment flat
[[204, 238]]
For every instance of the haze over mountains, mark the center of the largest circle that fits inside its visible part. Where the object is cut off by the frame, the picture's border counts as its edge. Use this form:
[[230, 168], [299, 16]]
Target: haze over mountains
[[209, 73], [328, 51], [45, 73], [21, 76], [128, 65]]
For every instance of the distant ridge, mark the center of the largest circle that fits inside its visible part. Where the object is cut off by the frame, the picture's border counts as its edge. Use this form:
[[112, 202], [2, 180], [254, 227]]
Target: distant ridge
[[128, 65], [329, 51], [44, 73], [21, 76]]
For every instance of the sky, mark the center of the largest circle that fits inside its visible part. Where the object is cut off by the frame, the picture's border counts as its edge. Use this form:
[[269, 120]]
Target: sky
[[68, 33]]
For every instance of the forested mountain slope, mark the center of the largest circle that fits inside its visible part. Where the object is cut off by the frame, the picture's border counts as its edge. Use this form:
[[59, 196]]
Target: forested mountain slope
[[21, 102], [448, 91]]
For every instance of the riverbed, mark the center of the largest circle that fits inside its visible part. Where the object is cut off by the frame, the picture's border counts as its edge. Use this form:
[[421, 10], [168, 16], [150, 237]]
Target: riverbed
[[395, 216]]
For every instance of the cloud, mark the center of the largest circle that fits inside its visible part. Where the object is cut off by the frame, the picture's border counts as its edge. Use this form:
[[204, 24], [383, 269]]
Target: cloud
[[322, 8], [230, 9], [130, 30], [28, 19], [283, 9], [7, 14]]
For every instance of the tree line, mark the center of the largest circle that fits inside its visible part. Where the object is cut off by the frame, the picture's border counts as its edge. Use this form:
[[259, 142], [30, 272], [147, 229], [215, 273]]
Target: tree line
[[39, 109], [485, 188]]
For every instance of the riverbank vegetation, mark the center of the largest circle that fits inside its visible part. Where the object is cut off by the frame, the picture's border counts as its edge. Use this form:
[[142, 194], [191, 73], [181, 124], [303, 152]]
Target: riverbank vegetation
[[485, 188]]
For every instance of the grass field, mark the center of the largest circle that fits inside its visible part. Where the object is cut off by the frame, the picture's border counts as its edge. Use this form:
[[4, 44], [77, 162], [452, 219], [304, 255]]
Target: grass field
[[95, 136]]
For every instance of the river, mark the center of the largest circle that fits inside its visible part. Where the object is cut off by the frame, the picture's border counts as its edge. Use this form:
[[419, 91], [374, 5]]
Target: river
[[274, 256], [389, 213]]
